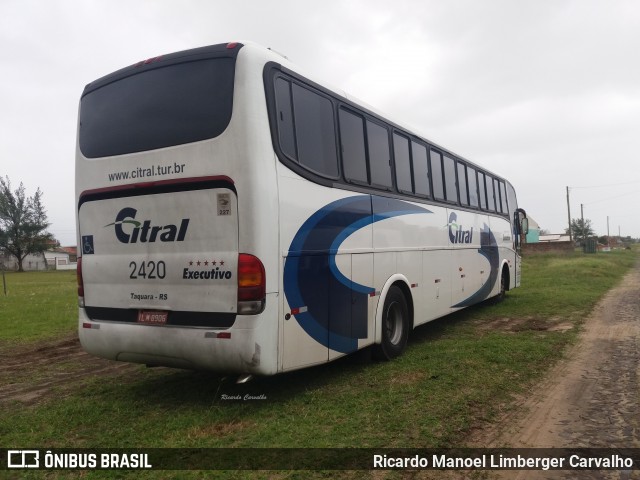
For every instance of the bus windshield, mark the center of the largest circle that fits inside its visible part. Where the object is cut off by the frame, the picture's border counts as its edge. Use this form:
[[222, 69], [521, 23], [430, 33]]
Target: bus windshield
[[155, 108]]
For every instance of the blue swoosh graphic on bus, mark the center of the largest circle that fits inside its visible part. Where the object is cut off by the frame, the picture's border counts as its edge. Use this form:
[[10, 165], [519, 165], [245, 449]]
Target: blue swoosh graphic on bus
[[489, 249], [336, 306]]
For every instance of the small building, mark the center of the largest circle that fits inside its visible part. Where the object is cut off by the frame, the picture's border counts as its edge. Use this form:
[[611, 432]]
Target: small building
[[534, 231], [73, 253], [556, 243], [555, 237], [57, 258]]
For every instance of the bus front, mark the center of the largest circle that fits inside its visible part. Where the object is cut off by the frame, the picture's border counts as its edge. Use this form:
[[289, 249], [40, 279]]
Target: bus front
[[163, 277]]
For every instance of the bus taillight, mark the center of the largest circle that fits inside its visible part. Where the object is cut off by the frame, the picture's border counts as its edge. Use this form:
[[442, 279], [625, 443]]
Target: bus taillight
[[251, 285], [80, 283]]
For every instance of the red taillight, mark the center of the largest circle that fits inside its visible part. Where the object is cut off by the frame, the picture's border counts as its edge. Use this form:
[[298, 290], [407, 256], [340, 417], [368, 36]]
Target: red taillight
[[251, 285], [251, 278], [79, 277], [232, 45]]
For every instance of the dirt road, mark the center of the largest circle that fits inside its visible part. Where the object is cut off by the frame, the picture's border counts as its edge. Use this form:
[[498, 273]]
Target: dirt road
[[591, 399], [34, 373]]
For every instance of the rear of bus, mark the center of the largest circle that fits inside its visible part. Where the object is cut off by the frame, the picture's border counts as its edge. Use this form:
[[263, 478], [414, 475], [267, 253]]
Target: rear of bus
[[174, 167]]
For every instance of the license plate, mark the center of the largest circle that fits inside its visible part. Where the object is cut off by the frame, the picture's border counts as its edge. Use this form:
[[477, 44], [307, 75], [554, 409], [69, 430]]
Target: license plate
[[152, 317]]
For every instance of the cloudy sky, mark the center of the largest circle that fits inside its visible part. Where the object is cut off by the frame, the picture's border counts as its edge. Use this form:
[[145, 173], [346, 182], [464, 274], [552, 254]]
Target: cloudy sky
[[545, 93]]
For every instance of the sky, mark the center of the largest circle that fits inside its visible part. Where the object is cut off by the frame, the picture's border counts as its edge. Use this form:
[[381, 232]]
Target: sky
[[544, 93]]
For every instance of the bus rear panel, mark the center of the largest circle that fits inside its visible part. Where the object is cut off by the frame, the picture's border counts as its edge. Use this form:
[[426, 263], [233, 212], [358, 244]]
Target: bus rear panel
[[162, 278]]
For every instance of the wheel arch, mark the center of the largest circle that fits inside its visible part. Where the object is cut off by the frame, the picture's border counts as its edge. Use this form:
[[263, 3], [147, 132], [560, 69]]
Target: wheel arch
[[401, 282], [506, 270]]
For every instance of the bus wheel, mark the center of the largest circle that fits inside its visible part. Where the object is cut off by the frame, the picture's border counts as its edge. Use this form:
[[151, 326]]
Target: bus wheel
[[395, 325], [504, 280]]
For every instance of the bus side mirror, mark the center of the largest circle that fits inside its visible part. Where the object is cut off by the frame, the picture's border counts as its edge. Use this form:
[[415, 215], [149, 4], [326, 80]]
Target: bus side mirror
[[521, 221]]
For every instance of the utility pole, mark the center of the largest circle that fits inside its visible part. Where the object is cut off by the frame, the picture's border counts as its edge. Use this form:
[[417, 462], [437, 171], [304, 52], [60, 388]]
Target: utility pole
[[569, 215], [608, 239]]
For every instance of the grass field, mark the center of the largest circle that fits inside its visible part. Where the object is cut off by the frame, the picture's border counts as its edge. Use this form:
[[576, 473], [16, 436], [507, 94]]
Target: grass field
[[38, 305], [457, 374]]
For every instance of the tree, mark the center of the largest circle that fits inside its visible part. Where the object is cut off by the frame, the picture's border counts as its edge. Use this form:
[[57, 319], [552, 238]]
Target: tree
[[580, 229], [23, 222]]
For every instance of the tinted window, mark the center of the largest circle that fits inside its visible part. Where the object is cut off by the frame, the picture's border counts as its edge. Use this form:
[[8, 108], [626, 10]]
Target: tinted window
[[420, 169], [503, 198], [482, 191], [403, 166], [436, 175], [491, 204], [496, 192], [462, 184], [450, 180], [172, 105], [285, 118], [354, 161], [315, 133], [379, 164], [473, 187]]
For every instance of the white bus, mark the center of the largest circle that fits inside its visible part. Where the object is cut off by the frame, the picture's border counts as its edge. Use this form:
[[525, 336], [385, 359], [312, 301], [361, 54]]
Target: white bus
[[236, 215]]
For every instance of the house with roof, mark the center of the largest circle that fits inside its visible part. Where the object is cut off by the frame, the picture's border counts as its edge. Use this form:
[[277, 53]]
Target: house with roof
[[56, 258]]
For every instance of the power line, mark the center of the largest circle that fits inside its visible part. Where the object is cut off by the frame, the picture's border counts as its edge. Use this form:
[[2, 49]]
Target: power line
[[613, 198], [610, 185]]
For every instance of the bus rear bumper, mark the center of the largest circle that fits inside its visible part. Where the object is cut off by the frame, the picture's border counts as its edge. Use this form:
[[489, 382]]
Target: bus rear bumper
[[232, 350]]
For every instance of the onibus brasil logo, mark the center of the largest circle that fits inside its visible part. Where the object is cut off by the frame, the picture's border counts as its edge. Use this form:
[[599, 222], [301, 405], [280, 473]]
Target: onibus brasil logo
[[145, 232]]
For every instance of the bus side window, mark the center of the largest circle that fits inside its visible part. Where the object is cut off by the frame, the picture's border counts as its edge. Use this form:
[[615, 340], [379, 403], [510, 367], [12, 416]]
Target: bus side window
[[354, 162], [403, 163], [379, 156], [420, 169], [473, 187], [503, 198], [491, 202], [450, 180], [285, 118], [315, 132], [436, 175], [482, 191], [462, 184]]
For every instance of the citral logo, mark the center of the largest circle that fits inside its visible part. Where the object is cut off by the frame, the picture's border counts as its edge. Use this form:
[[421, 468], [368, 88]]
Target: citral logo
[[456, 232], [144, 232]]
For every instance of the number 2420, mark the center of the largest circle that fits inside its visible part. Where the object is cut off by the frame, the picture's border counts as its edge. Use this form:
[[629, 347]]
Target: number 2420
[[149, 269]]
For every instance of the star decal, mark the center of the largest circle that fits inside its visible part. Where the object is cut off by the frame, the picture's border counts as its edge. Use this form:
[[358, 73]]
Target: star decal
[[206, 262]]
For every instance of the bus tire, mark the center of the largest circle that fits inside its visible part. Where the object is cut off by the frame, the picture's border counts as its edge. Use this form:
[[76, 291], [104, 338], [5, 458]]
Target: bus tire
[[504, 282], [395, 325]]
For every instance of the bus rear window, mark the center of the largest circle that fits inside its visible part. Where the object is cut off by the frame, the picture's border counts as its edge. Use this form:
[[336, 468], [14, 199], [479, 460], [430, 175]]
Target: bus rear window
[[172, 105]]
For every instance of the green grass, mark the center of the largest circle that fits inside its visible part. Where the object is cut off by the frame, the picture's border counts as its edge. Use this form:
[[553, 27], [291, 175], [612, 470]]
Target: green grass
[[457, 374], [564, 286], [38, 305]]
